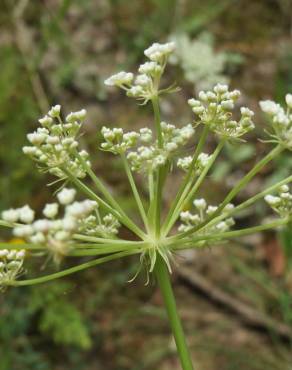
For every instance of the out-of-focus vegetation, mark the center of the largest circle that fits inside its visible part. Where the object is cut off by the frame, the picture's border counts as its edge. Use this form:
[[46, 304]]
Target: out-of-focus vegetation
[[60, 51]]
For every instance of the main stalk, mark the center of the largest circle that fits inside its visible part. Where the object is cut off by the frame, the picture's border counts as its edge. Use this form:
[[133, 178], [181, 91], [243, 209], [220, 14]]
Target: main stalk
[[163, 279]]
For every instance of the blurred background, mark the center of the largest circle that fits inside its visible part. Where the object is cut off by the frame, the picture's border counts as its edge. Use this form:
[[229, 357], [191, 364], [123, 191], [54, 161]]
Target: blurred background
[[236, 299]]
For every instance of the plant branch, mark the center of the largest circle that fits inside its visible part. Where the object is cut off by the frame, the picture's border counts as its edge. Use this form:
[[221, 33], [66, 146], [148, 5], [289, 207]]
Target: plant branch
[[186, 184], [196, 186], [237, 188], [135, 190], [158, 191], [250, 201], [122, 218], [72, 270], [234, 233]]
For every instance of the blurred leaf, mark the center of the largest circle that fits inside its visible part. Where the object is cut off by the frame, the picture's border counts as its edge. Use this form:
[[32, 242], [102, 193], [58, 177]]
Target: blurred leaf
[[59, 318]]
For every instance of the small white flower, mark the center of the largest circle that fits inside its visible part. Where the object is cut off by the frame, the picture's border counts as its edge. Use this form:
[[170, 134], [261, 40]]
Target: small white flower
[[11, 215], [46, 121], [69, 223], [29, 150], [62, 235], [76, 209], [221, 88], [55, 111], [51, 210], [42, 226], [149, 68], [157, 51], [246, 112], [66, 196], [118, 79], [284, 188], [211, 209], [272, 200], [269, 107], [135, 91], [3, 252], [38, 238], [146, 135], [20, 254], [11, 255], [200, 204], [36, 138], [23, 231], [26, 214], [81, 114], [143, 80], [227, 104]]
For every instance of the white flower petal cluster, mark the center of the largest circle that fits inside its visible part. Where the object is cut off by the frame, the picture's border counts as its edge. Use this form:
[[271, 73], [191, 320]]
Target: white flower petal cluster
[[116, 141], [189, 220], [56, 233], [146, 84], [121, 79], [281, 120], [282, 203], [108, 226], [201, 162], [24, 214], [11, 262], [54, 145], [214, 108], [150, 157], [158, 52]]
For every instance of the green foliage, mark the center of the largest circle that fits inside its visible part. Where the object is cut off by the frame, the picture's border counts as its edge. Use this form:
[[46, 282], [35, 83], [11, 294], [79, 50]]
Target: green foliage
[[58, 317], [14, 91]]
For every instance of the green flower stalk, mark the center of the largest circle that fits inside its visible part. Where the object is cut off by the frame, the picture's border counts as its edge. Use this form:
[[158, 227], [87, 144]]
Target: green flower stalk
[[71, 227]]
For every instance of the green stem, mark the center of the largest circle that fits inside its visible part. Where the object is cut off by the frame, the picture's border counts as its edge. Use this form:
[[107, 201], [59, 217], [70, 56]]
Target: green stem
[[151, 187], [195, 188], [162, 276], [99, 184], [235, 233], [250, 201], [95, 239], [92, 250], [237, 188], [72, 270], [186, 184], [103, 189], [6, 224], [155, 105], [124, 219], [158, 191], [135, 190]]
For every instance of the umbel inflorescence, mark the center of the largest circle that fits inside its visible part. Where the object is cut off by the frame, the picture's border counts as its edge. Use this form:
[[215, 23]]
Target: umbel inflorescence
[[72, 226]]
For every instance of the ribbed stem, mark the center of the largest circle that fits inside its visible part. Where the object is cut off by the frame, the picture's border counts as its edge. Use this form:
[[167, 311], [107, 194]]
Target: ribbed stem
[[163, 279]]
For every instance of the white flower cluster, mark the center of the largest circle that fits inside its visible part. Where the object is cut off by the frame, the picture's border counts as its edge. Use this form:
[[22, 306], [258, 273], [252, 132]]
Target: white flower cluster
[[11, 262], [145, 85], [201, 162], [281, 204], [52, 232], [214, 108], [106, 227], [149, 157], [54, 144], [189, 220], [118, 142], [281, 120]]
